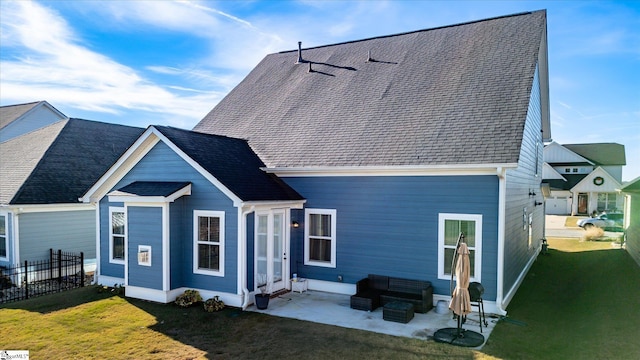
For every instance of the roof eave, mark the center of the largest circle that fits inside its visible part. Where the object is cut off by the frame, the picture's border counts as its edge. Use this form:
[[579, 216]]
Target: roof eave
[[409, 170]]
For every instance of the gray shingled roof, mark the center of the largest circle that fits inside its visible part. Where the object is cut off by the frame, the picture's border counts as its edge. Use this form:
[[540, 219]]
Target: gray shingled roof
[[233, 163], [451, 95], [10, 113], [600, 153], [80, 154], [20, 156]]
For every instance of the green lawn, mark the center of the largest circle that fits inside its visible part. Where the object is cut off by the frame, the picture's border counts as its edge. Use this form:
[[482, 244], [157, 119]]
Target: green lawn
[[582, 301], [579, 302]]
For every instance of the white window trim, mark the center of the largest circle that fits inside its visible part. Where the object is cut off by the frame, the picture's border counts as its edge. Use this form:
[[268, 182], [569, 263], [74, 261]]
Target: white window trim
[[111, 234], [141, 260], [307, 213], [477, 248], [6, 237], [208, 213]]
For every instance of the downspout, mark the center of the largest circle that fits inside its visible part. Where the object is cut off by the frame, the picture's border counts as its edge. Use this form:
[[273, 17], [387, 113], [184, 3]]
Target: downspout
[[242, 246], [96, 273], [502, 190]]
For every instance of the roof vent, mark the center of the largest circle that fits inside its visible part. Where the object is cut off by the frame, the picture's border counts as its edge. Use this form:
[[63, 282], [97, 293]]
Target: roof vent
[[369, 56], [299, 53]]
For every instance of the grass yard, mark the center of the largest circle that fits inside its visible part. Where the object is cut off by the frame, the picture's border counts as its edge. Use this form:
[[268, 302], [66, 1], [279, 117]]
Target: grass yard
[[582, 301], [579, 302], [86, 324]]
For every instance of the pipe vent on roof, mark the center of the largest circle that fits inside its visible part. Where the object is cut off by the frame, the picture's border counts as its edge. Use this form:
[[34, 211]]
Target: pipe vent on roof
[[300, 60]]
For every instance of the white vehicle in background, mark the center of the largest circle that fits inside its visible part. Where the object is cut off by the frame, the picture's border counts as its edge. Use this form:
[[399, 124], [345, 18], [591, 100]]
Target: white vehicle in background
[[612, 221]]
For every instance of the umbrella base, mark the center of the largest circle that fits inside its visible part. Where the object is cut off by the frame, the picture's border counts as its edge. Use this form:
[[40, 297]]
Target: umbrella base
[[459, 337]]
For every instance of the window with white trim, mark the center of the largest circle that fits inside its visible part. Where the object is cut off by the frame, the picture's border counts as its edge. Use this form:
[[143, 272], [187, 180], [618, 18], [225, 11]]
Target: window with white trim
[[449, 228], [117, 234], [208, 242], [320, 237], [4, 243]]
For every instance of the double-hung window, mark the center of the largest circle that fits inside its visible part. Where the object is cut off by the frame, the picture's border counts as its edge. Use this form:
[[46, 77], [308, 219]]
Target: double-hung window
[[208, 246], [4, 246], [117, 235], [320, 237], [449, 228]]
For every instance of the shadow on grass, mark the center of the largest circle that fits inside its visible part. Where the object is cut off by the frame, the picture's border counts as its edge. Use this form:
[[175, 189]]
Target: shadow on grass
[[577, 304], [59, 301], [236, 334]]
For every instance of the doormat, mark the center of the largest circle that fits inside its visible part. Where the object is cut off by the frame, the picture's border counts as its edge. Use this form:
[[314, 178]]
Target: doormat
[[279, 292]]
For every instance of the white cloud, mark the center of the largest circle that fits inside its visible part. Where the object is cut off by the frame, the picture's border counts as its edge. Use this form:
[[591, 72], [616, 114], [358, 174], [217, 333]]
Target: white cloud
[[54, 65]]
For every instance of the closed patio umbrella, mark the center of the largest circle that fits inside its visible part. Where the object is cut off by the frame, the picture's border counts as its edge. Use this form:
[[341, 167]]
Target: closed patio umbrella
[[460, 301]]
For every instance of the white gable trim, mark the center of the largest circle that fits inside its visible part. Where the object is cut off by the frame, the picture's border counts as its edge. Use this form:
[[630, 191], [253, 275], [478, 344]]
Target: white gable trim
[[236, 200], [125, 197], [39, 105], [609, 185], [134, 154], [125, 163]]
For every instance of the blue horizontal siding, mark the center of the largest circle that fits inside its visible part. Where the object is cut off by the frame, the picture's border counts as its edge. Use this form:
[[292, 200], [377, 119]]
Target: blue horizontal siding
[[145, 228], [389, 225], [162, 164], [73, 231]]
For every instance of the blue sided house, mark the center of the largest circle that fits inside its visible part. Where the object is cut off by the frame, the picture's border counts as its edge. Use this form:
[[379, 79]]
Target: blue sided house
[[339, 161]]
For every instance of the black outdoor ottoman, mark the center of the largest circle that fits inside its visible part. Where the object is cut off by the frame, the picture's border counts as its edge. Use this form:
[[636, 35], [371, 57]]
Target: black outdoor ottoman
[[398, 311]]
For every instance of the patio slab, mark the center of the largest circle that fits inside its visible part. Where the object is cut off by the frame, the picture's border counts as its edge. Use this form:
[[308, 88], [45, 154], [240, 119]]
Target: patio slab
[[334, 309]]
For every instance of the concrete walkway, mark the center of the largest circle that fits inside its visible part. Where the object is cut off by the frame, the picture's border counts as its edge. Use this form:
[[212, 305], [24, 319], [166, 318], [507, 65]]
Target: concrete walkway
[[334, 309]]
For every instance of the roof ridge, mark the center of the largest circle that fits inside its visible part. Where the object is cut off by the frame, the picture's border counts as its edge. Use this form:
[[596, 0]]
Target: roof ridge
[[23, 104], [104, 123], [414, 31], [201, 133]]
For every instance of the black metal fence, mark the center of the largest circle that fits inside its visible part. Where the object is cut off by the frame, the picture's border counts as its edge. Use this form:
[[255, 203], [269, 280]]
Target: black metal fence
[[62, 271]]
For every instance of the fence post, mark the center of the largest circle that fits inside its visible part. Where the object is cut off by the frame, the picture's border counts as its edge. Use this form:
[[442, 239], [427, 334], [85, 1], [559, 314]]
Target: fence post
[[51, 262], [59, 266], [26, 279], [81, 269]]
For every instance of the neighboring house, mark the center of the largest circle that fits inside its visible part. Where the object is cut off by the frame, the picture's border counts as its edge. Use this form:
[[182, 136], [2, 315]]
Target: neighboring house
[[42, 175], [583, 178], [632, 218], [16, 120], [362, 157]]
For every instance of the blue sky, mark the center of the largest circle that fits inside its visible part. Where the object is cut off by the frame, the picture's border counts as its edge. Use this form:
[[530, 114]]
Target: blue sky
[[170, 62]]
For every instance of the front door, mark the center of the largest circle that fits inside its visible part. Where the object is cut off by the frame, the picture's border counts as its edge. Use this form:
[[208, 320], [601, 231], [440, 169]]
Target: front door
[[583, 202], [270, 250]]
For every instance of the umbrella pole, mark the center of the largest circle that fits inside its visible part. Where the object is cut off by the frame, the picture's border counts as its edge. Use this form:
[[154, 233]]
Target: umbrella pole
[[453, 261]]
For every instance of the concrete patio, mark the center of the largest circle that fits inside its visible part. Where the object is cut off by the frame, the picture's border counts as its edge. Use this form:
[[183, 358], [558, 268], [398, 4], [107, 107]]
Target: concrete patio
[[334, 309]]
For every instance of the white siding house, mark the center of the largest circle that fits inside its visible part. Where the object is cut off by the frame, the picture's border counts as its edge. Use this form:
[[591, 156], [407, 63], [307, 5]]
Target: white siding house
[[583, 178]]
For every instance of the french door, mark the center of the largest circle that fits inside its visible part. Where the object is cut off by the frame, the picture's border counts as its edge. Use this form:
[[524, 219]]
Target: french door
[[270, 252]]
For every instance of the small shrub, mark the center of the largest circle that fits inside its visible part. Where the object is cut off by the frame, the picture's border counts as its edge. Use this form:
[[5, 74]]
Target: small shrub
[[213, 304], [592, 234], [188, 298], [116, 289]]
